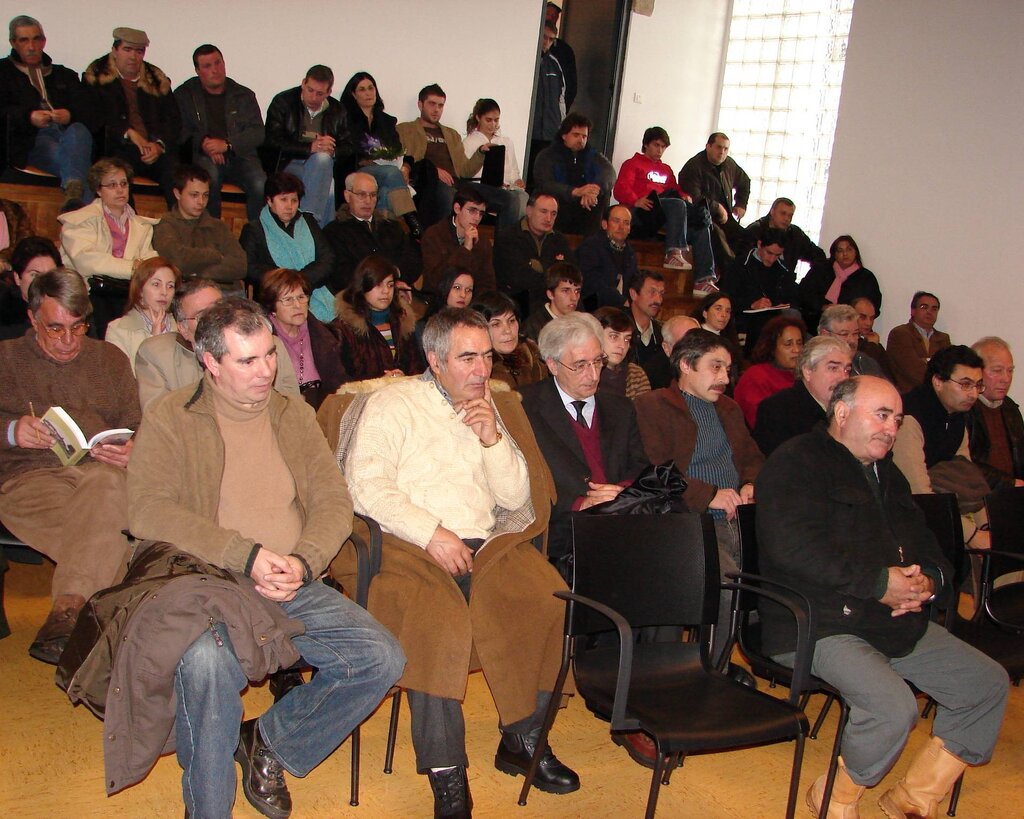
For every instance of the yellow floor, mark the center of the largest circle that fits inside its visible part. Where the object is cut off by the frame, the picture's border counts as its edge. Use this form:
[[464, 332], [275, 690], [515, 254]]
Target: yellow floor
[[51, 762]]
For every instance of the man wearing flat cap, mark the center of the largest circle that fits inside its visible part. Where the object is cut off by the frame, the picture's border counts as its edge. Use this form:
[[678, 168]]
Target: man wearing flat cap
[[137, 113]]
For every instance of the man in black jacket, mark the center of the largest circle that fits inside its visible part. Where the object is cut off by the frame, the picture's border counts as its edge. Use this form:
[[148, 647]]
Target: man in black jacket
[[48, 114], [798, 246], [995, 424], [309, 129], [222, 122], [138, 115], [712, 176], [836, 521]]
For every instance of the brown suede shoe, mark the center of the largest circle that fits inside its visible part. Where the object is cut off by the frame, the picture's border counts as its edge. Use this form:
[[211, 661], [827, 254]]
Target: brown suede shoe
[[53, 636]]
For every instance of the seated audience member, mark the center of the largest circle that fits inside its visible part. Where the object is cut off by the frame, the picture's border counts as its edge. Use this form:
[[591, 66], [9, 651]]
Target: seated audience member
[[648, 187], [241, 478], [910, 346], [440, 161], [74, 515], [481, 134], [106, 237], [868, 341], [839, 279], [309, 129], [378, 148], [361, 229], [445, 467], [455, 289], [32, 257], [516, 359], [774, 364], [646, 295], [524, 252], [563, 292], [377, 332], [221, 121], [15, 225], [607, 261], [588, 437], [995, 425], [135, 109], [865, 550], [759, 281], [193, 239], [48, 115], [674, 329], [457, 241], [580, 177], [713, 178], [823, 363], [797, 246], [285, 236], [148, 311], [715, 315], [694, 423], [619, 376], [840, 321], [168, 362], [313, 347], [932, 448]]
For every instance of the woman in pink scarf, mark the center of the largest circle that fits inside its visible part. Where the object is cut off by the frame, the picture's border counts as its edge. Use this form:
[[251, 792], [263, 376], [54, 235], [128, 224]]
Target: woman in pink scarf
[[840, 279]]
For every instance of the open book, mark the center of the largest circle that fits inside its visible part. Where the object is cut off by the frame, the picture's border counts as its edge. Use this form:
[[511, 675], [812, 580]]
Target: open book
[[71, 445]]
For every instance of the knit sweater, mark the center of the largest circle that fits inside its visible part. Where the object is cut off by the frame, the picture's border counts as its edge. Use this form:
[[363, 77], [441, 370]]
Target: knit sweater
[[203, 247], [96, 388]]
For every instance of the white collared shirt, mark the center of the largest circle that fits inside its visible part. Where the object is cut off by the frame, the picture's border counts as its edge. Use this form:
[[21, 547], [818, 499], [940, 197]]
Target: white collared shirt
[[589, 405]]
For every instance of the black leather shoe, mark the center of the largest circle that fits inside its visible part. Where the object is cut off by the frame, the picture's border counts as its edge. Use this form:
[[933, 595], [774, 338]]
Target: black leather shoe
[[742, 676], [513, 757], [53, 636], [262, 775], [452, 799], [281, 682], [412, 221]]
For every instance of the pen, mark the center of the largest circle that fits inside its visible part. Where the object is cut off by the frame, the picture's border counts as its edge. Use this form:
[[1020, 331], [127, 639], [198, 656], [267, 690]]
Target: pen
[[32, 411]]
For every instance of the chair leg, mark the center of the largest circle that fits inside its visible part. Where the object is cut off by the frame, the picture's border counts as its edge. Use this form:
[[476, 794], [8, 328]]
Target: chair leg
[[794, 777], [659, 771], [5, 629], [675, 761], [954, 797], [829, 699], [545, 729], [353, 799], [833, 763], [389, 753], [928, 706]]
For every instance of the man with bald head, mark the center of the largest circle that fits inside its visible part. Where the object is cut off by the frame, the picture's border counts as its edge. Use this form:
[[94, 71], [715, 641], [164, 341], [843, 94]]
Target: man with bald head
[[870, 566], [607, 261], [674, 329], [994, 423]]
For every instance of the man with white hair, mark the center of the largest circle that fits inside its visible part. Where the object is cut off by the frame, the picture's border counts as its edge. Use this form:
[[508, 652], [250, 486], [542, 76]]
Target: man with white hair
[[840, 321], [994, 424], [823, 363], [674, 329]]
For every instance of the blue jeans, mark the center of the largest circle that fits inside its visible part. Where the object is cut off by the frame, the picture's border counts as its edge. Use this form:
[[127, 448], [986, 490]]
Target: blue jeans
[[509, 202], [683, 226], [317, 175], [357, 659], [389, 178], [246, 172], [66, 151]]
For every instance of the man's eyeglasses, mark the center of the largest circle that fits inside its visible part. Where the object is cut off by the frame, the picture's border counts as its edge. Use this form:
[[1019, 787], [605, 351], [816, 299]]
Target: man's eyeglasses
[[967, 385], [55, 331], [597, 365], [364, 194], [301, 298]]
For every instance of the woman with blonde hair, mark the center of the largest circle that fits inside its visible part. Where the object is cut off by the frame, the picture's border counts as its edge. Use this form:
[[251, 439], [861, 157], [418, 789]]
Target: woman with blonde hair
[[148, 312]]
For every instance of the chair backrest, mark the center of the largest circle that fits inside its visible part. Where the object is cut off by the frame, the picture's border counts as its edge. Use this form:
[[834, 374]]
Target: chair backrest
[[1006, 522], [942, 516], [655, 570]]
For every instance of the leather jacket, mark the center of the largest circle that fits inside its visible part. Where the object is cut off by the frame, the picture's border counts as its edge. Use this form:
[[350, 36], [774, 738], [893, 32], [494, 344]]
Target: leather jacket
[[284, 120]]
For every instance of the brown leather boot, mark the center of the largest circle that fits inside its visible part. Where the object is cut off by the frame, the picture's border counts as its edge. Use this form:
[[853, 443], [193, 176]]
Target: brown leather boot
[[926, 783], [845, 795], [53, 636]]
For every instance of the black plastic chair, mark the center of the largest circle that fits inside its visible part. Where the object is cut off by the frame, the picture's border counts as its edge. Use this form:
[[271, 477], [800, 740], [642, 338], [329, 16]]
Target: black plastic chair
[[748, 636], [12, 549], [662, 570], [1004, 606]]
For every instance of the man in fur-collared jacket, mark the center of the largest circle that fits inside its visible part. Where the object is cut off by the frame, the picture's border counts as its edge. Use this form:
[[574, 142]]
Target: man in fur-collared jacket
[[138, 116]]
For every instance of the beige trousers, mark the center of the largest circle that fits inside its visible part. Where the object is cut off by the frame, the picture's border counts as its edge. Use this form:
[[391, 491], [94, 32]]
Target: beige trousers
[[74, 515]]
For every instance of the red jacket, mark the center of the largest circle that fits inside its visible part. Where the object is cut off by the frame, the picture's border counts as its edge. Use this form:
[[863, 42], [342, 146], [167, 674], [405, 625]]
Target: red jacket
[[639, 175]]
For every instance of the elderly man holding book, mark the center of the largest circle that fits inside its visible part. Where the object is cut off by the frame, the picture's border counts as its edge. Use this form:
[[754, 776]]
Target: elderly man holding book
[[73, 514]]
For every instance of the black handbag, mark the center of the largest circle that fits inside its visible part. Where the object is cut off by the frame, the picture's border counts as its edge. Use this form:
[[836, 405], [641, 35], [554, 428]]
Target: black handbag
[[658, 490]]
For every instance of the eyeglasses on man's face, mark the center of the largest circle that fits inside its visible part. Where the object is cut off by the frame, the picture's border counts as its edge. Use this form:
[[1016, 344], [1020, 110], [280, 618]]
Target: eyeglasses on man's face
[[967, 385], [55, 331], [579, 366]]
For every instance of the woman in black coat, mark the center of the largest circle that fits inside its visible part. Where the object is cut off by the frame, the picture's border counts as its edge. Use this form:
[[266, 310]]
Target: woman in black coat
[[819, 289]]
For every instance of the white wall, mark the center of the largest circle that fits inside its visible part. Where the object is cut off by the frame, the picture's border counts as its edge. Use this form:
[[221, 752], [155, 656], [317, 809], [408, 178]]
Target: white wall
[[927, 169], [472, 48], [674, 61]]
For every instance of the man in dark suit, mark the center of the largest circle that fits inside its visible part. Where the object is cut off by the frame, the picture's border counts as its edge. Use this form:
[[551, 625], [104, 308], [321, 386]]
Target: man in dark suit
[[823, 363], [591, 459]]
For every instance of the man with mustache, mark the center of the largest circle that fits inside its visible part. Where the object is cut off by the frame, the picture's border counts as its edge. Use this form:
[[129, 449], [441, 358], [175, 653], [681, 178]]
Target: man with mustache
[[694, 423], [836, 521], [646, 295]]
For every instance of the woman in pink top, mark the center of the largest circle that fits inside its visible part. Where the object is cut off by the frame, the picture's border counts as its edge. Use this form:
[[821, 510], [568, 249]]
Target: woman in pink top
[[774, 356]]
